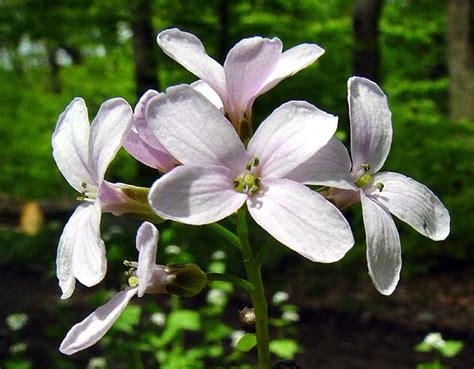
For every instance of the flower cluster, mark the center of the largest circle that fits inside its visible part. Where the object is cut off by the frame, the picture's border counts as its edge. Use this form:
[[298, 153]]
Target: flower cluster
[[200, 138]]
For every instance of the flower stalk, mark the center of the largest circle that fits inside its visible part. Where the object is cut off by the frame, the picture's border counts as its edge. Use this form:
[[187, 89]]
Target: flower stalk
[[257, 296]]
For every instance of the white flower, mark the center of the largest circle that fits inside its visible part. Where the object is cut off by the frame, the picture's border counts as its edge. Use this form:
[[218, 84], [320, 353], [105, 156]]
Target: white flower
[[380, 193]]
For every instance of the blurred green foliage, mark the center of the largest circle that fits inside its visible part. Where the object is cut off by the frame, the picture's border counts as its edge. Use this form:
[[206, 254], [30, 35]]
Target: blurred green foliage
[[426, 146]]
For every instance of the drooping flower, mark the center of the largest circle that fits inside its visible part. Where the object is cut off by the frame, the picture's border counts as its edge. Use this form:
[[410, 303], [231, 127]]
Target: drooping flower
[[142, 144], [380, 193], [146, 277], [252, 67], [219, 174], [82, 153]]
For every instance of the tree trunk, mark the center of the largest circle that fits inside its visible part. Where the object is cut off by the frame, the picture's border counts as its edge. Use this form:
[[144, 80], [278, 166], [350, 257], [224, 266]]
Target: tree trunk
[[144, 47], [366, 38], [56, 85], [224, 29], [460, 57]]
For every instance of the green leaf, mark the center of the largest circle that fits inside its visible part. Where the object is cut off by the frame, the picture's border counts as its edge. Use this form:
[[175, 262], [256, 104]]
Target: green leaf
[[128, 319], [184, 319], [451, 348], [423, 347], [432, 365], [284, 348], [247, 342]]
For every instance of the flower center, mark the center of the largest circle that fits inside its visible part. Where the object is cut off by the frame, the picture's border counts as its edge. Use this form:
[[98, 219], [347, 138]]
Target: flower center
[[248, 182], [366, 179], [88, 193], [131, 273]]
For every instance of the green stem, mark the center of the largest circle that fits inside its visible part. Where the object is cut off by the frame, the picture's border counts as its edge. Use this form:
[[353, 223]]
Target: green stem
[[257, 296], [225, 233], [269, 243], [242, 283]]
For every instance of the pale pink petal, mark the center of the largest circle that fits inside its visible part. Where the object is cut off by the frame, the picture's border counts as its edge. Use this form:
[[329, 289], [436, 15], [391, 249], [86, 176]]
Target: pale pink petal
[[189, 51], [95, 326], [196, 195], [142, 144], [71, 144], [206, 90], [148, 155], [139, 113], [147, 242], [141, 124], [302, 220], [247, 66], [371, 125], [194, 131], [291, 62], [383, 246], [290, 135], [89, 263], [81, 252], [112, 200], [414, 203], [108, 131], [330, 166]]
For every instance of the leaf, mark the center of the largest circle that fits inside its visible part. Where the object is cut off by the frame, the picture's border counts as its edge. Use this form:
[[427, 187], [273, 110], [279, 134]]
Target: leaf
[[284, 348], [451, 348], [177, 321], [247, 342], [184, 319], [128, 319], [423, 347]]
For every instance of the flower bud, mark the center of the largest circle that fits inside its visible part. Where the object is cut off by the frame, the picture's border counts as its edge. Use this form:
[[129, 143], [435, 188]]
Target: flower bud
[[247, 319], [185, 279]]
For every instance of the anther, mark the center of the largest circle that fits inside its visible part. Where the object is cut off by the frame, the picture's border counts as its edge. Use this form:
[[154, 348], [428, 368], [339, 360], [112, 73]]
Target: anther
[[366, 167], [253, 190], [133, 281], [380, 186]]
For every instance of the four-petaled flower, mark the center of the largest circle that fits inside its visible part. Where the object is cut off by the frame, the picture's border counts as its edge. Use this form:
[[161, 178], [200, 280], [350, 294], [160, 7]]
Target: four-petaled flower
[[82, 152], [145, 277], [252, 67], [219, 174], [380, 193]]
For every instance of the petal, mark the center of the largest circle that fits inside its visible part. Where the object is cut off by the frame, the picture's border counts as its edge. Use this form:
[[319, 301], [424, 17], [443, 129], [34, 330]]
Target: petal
[[108, 131], [141, 124], [290, 135], [291, 62], [206, 90], [383, 246], [71, 143], [194, 131], [247, 67], [147, 242], [148, 155], [414, 203], [195, 195], [330, 166], [189, 51], [89, 262], [371, 125], [81, 252], [302, 220], [95, 326]]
